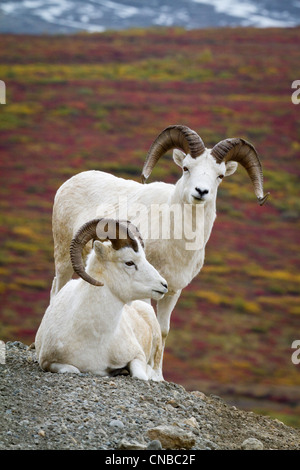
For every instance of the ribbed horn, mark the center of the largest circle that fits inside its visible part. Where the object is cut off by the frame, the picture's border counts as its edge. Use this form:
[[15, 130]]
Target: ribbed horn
[[241, 151], [120, 235], [133, 230], [181, 137]]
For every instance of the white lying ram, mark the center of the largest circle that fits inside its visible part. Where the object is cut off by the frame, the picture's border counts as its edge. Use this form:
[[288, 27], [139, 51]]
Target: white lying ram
[[88, 326], [83, 197]]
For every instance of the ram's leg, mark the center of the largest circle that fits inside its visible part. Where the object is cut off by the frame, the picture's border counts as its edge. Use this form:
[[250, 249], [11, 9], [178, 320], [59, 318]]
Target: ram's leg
[[137, 369], [62, 276], [63, 368], [154, 374], [165, 307]]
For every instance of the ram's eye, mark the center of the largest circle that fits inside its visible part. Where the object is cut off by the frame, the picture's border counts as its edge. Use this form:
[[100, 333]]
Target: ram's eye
[[185, 168], [221, 177], [130, 263]]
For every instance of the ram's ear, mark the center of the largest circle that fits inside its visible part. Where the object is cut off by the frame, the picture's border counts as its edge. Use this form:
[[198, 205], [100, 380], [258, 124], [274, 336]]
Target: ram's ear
[[178, 157], [230, 168], [102, 250]]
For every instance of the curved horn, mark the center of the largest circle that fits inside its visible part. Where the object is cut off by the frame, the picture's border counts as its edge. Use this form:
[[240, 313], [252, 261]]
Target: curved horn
[[134, 231], [100, 229], [172, 137], [241, 151]]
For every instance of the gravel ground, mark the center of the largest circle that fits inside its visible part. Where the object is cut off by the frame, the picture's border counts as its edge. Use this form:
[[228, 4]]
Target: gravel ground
[[40, 410]]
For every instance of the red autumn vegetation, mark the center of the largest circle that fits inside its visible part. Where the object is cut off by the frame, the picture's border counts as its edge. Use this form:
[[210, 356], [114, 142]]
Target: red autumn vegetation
[[97, 101]]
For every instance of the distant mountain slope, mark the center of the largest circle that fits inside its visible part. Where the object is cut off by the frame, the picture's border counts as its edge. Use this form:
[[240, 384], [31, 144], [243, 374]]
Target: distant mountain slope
[[69, 16]]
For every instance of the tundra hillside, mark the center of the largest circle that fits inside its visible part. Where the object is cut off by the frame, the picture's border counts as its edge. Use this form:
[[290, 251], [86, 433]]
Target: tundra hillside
[[95, 101]]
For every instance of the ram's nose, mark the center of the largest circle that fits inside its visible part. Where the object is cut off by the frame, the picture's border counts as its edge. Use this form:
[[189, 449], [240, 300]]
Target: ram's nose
[[202, 192]]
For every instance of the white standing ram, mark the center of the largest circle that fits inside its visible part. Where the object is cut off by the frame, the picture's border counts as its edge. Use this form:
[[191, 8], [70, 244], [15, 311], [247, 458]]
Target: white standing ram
[[84, 196], [99, 323]]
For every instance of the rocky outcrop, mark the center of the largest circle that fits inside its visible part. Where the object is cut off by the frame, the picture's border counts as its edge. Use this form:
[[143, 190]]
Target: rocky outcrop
[[41, 410]]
